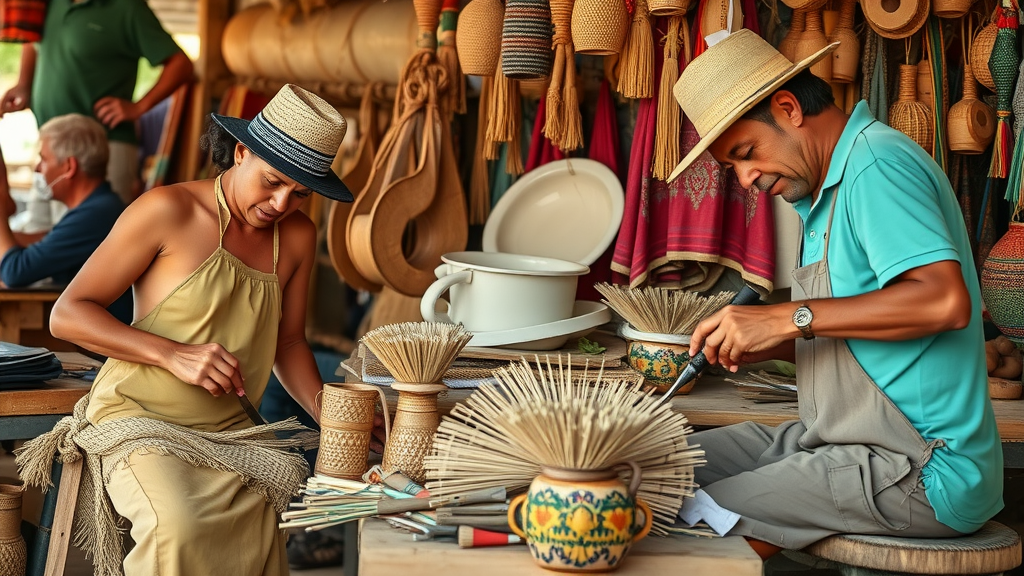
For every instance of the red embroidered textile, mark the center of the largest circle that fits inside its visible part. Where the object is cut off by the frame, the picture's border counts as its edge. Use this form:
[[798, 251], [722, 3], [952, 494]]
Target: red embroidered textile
[[22, 20]]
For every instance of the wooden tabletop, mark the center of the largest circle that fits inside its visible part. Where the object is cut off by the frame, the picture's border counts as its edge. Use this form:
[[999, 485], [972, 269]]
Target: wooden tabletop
[[387, 551], [715, 402], [55, 396]]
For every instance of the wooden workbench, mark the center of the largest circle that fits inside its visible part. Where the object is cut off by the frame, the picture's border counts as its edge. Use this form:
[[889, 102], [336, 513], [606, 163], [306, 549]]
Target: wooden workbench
[[387, 551], [24, 314], [32, 411]]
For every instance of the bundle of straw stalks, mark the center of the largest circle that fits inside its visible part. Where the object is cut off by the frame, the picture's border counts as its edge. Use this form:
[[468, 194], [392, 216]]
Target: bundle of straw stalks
[[417, 352], [503, 434], [662, 310]]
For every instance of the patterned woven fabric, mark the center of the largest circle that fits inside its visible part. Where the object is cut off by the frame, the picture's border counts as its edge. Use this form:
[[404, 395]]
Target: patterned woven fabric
[[22, 20], [1002, 283], [526, 39]]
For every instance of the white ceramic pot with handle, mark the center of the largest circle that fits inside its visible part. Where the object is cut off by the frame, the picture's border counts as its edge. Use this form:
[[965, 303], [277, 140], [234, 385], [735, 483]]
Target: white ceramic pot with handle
[[490, 291]]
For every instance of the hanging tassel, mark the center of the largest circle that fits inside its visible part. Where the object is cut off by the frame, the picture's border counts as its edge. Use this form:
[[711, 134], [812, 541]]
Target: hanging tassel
[[1003, 65], [572, 127], [479, 181], [514, 159], [561, 17], [504, 121], [666, 141], [636, 70], [449, 58]]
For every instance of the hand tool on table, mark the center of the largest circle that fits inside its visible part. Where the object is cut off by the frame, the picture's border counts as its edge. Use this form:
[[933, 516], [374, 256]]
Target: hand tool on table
[[412, 504], [422, 531], [451, 517], [698, 363], [470, 537]]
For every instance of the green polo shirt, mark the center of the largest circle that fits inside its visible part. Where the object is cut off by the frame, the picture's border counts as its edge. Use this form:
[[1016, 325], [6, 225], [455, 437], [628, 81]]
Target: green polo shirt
[[91, 49], [896, 211]]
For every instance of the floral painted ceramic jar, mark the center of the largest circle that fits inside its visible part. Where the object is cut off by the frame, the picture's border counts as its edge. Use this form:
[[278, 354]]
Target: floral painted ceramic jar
[[580, 520], [660, 363]]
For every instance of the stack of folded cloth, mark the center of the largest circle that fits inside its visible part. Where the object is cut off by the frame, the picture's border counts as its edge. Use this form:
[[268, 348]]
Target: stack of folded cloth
[[21, 366]]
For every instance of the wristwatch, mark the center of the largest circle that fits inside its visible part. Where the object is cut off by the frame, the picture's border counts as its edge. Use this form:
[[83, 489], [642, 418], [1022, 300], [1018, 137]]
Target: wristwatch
[[802, 318]]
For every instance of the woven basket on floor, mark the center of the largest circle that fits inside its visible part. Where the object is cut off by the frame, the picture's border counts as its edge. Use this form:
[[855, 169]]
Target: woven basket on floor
[[907, 114], [478, 36]]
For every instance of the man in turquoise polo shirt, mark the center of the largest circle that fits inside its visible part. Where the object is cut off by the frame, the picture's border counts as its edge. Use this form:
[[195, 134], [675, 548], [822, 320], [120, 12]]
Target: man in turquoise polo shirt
[[896, 433], [87, 63]]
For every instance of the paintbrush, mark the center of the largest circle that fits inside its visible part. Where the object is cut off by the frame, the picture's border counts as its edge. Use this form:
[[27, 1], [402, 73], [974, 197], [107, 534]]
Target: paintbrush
[[699, 362]]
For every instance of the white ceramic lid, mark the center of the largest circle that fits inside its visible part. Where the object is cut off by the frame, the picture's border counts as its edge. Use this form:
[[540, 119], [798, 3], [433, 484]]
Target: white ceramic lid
[[568, 209], [586, 316]]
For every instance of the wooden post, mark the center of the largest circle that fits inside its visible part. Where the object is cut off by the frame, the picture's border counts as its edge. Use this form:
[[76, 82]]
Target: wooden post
[[64, 516]]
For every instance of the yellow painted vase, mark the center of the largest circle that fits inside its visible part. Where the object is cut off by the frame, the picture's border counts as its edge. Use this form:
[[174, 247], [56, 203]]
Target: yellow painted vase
[[580, 520], [660, 363]]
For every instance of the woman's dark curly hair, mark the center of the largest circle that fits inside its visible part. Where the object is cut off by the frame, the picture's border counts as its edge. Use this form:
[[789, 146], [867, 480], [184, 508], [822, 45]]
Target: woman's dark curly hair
[[220, 144]]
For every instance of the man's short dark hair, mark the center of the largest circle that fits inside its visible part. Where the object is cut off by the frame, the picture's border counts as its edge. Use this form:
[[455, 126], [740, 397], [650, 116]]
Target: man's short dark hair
[[220, 144], [813, 94]]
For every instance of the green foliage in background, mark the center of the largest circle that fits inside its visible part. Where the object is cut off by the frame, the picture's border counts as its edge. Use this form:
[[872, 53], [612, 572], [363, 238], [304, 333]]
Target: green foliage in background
[[10, 60]]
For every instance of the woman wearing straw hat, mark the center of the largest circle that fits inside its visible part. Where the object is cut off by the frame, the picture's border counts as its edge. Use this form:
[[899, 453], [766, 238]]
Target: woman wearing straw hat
[[220, 270], [896, 434]]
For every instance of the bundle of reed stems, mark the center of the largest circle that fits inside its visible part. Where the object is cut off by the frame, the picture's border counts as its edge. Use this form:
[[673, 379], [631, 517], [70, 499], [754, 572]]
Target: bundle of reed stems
[[662, 310], [330, 501], [417, 352], [504, 433]]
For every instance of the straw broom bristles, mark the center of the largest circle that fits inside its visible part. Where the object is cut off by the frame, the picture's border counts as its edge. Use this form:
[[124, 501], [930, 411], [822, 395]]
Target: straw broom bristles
[[417, 352], [502, 435], [661, 310], [636, 68], [666, 148]]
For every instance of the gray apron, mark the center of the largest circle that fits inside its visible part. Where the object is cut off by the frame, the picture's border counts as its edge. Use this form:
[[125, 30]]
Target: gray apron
[[851, 464]]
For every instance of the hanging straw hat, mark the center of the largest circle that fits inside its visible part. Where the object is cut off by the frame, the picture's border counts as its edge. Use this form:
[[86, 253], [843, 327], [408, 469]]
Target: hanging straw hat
[[727, 80], [299, 134]]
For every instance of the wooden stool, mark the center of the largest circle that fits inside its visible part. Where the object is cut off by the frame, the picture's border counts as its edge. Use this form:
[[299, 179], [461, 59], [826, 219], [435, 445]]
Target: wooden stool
[[49, 551], [991, 550]]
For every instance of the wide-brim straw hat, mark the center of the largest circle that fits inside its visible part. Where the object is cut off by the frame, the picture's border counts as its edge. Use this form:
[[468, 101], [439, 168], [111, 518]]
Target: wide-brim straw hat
[[729, 79], [299, 134]]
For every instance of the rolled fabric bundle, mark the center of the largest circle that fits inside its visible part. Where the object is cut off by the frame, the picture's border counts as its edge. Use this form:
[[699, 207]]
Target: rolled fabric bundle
[[526, 36]]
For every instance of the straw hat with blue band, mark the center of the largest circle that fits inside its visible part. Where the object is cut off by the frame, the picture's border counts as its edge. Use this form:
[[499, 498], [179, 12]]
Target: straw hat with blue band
[[299, 134], [729, 79]]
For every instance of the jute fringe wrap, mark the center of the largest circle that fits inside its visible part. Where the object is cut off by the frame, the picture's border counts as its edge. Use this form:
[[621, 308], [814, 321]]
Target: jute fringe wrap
[[667, 153], [261, 461], [478, 37], [636, 65], [563, 124], [455, 103], [797, 23], [907, 114], [526, 39]]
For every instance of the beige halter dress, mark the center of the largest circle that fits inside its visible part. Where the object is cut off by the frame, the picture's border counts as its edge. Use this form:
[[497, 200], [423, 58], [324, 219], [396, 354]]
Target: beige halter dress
[[192, 520]]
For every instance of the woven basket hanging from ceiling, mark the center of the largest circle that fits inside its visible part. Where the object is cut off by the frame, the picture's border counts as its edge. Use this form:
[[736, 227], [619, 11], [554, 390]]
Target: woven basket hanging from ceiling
[[907, 114], [526, 39], [599, 27], [478, 36], [971, 123], [1003, 65], [846, 58]]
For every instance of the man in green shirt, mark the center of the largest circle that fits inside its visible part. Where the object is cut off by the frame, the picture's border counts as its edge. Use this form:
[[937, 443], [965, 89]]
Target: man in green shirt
[[87, 63]]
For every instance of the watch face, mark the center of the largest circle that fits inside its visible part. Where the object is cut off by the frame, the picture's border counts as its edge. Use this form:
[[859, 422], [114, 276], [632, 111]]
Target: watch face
[[802, 317]]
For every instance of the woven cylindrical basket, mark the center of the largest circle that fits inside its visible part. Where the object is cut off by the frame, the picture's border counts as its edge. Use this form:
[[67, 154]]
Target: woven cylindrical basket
[[346, 424], [907, 114], [951, 8], [981, 50], [896, 19], [13, 553], [599, 27], [526, 39], [412, 435], [797, 23], [804, 4], [716, 16], [478, 36], [971, 124], [846, 58], [1002, 283], [668, 7], [22, 20], [811, 41], [925, 84]]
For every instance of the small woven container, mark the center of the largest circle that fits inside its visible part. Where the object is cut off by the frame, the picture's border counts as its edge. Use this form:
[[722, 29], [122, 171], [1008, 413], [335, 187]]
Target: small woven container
[[804, 4], [811, 41], [478, 36], [13, 553], [416, 421], [907, 114], [669, 7], [1002, 283], [716, 16], [22, 20], [846, 58], [526, 39], [797, 23], [981, 50], [599, 27], [346, 424], [971, 123], [951, 8]]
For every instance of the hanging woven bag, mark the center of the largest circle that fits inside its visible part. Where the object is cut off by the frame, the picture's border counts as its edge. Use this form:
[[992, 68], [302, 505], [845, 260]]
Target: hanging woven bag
[[478, 36], [1003, 66], [526, 39], [599, 27], [846, 58], [907, 114]]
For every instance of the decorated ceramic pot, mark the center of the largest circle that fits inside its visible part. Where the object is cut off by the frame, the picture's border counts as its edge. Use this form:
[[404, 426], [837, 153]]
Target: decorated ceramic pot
[[660, 363], [580, 520]]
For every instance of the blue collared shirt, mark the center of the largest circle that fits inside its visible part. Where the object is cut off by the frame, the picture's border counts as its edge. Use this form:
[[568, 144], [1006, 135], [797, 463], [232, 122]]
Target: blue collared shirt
[[895, 211]]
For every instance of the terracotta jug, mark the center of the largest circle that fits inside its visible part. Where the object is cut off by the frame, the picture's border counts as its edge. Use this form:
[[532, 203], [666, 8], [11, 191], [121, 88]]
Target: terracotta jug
[[1002, 283], [580, 520]]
